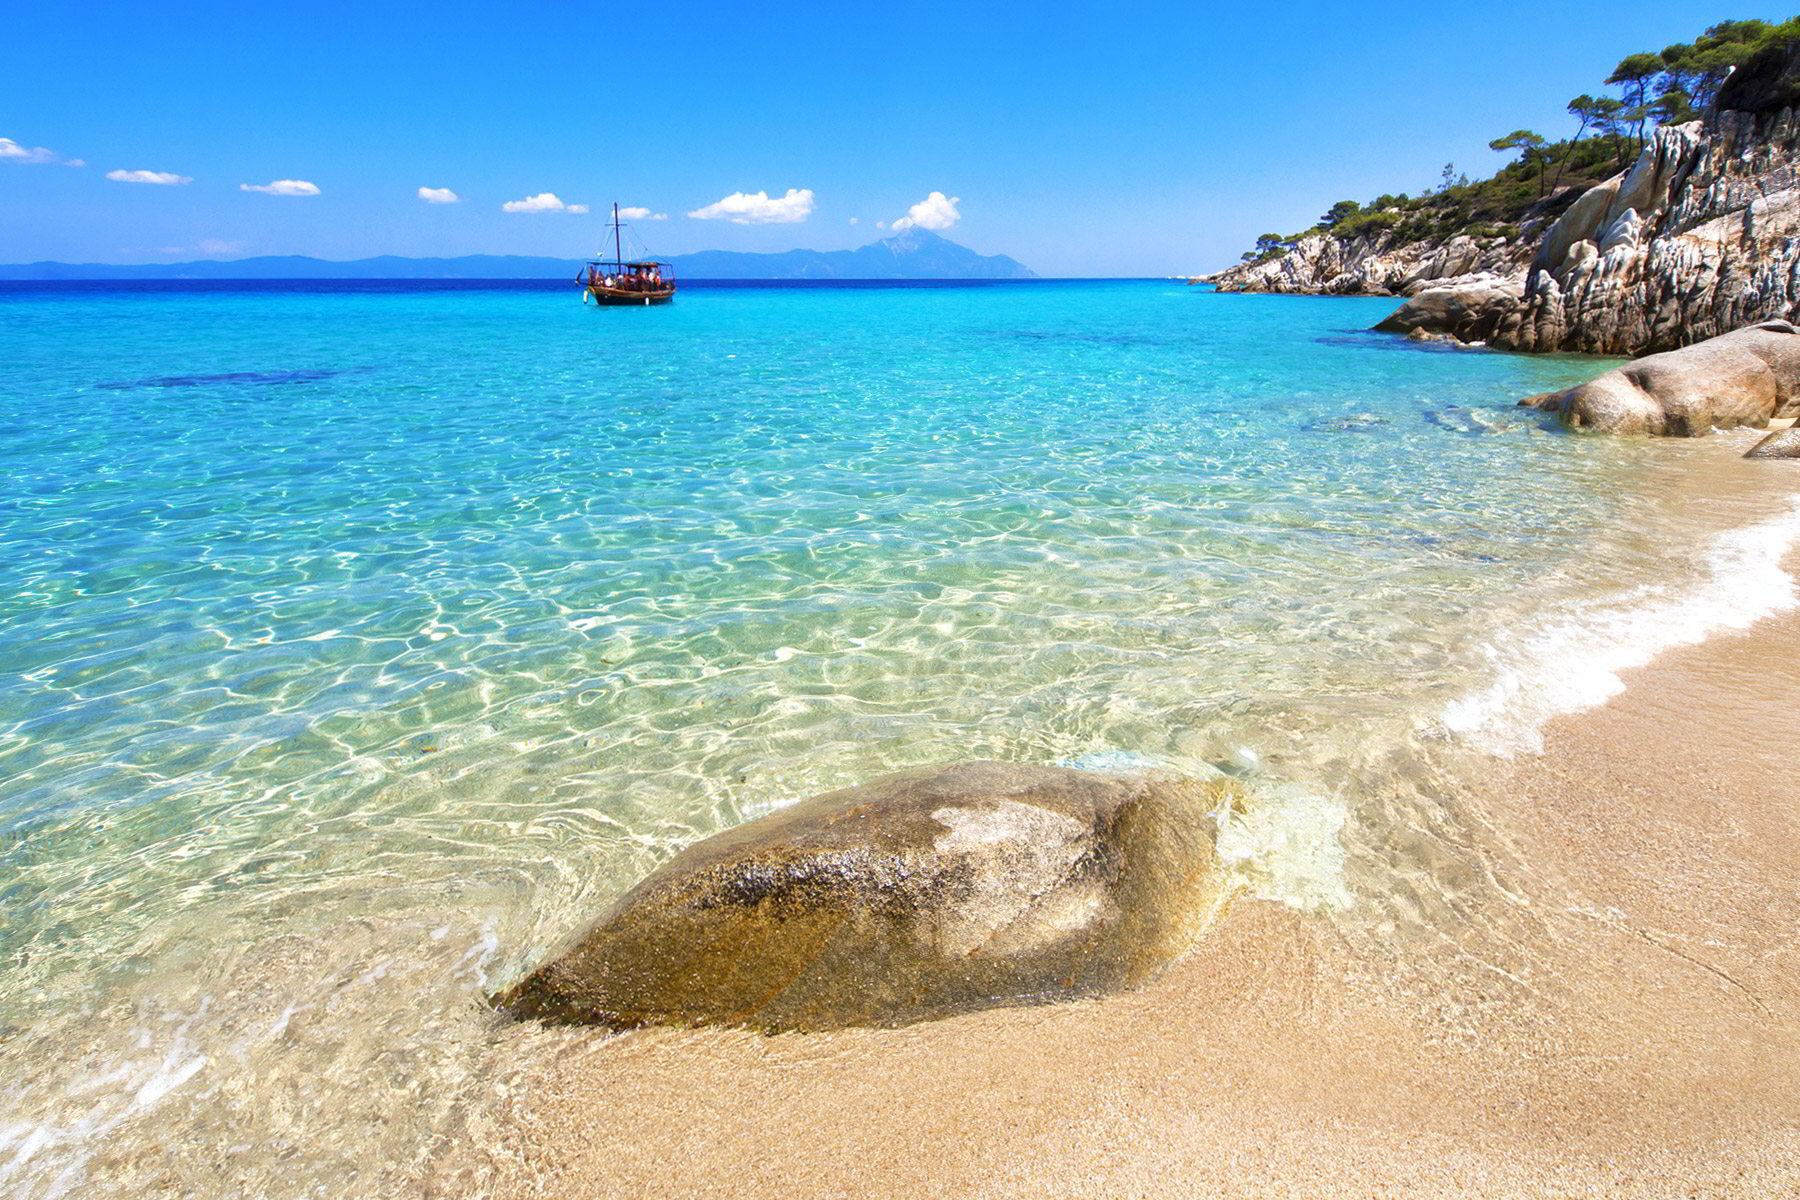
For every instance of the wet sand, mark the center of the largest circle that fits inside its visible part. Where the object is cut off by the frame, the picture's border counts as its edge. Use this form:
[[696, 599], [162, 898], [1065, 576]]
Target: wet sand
[[1642, 1039]]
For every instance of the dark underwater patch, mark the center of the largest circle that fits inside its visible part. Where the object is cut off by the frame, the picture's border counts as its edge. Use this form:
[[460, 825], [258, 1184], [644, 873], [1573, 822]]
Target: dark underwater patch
[[233, 377]]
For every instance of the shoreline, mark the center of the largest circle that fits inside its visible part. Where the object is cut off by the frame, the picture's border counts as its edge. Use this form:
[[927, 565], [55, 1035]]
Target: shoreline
[[330, 1025], [1634, 1035]]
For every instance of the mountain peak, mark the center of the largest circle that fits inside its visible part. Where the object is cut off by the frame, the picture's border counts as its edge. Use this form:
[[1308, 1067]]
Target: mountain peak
[[914, 235], [913, 253]]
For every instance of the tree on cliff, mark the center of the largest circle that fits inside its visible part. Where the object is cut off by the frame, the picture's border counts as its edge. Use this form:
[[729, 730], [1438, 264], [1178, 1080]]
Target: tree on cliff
[[1697, 70], [1600, 114], [1532, 150], [1676, 85], [1673, 105], [1268, 245], [1634, 74]]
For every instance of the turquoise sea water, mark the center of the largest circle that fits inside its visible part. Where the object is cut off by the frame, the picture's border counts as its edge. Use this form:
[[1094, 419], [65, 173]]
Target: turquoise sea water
[[357, 644]]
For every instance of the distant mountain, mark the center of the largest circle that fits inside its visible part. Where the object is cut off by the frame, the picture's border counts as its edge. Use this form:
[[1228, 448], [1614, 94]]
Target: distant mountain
[[298, 266], [913, 254]]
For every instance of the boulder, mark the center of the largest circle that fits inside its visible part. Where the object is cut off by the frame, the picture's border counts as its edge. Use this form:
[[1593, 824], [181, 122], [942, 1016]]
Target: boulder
[[1470, 310], [1783, 443], [919, 895], [1746, 377]]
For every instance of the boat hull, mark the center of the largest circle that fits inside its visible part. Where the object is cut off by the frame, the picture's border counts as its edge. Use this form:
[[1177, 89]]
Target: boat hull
[[618, 297]]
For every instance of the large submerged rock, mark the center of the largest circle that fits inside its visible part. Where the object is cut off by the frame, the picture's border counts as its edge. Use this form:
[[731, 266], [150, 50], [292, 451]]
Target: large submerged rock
[[1783, 443], [1747, 377], [918, 895]]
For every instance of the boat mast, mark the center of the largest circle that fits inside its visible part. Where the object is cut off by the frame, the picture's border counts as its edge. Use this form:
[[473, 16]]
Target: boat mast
[[618, 255]]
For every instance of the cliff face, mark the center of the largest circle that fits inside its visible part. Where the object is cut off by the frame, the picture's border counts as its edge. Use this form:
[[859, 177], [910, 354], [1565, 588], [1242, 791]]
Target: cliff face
[[1379, 265], [1700, 237]]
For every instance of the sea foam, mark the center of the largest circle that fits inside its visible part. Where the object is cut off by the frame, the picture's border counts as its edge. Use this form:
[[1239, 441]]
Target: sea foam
[[1576, 662]]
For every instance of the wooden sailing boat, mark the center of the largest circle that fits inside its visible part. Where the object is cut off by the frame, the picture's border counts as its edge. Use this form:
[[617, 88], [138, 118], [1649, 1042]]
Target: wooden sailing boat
[[644, 281]]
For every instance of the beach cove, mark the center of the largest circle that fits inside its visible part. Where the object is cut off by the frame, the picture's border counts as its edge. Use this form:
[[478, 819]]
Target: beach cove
[[1622, 1025], [367, 645], [1643, 1046]]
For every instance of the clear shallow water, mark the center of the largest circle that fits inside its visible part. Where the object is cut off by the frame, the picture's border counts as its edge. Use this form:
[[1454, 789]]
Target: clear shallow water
[[358, 644]]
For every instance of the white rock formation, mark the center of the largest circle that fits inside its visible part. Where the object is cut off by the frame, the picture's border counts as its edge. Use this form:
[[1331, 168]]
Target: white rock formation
[[1376, 265], [1701, 236]]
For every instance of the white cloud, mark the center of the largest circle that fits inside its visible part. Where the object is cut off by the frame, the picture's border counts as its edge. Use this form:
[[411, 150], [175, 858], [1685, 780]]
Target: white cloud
[[438, 196], [856, 220], [167, 178], [282, 187], [542, 202], [74, 162], [936, 211], [11, 151], [746, 208], [642, 214]]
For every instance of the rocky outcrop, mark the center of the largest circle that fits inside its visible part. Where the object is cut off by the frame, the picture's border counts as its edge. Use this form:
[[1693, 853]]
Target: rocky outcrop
[[919, 895], [1376, 265], [1468, 310], [1701, 236], [1744, 378]]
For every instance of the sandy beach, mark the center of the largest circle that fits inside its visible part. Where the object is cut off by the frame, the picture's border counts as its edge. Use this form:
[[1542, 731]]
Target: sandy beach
[[1638, 1036], [298, 791]]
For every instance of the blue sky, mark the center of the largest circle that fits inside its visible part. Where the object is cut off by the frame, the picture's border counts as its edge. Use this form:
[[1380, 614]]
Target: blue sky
[[1081, 138]]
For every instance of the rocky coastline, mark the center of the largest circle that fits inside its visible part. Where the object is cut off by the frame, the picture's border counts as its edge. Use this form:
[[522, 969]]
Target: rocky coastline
[[1380, 264], [1699, 237]]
